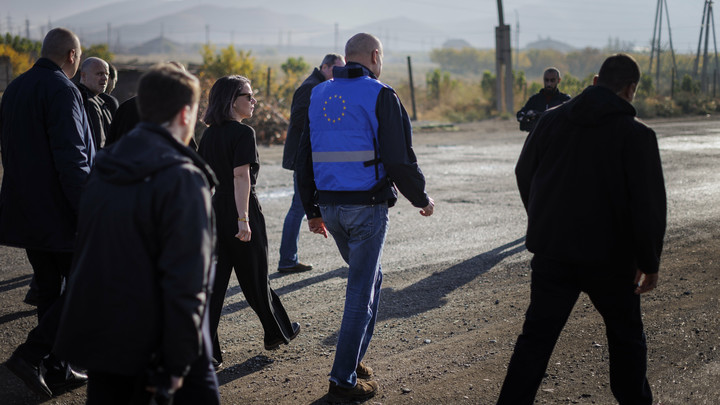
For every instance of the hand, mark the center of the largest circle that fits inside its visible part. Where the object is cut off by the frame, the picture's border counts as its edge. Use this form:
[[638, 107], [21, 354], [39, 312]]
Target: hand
[[244, 232], [175, 384], [645, 282], [317, 225], [427, 211]]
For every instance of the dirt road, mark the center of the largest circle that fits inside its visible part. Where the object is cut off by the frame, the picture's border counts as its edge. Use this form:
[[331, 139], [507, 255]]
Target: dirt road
[[456, 287]]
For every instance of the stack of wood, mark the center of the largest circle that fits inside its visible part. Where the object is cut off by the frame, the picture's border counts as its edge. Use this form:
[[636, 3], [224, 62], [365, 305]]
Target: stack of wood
[[269, 123]]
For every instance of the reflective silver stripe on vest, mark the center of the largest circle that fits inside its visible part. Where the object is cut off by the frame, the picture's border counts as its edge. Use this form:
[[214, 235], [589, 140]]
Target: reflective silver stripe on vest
[[344, 156]]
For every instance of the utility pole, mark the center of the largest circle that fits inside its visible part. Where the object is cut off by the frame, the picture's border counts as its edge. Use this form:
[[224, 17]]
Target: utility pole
[[503, 64], [337, 38], [657, 41], [517, 41], [707, 21]]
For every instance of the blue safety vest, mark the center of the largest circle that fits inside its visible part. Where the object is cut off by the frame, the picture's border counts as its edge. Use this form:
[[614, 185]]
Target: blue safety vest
[[343, 134]]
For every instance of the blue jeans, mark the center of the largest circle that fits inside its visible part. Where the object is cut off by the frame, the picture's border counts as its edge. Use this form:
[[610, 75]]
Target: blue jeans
[[359, 232], [291, 230]]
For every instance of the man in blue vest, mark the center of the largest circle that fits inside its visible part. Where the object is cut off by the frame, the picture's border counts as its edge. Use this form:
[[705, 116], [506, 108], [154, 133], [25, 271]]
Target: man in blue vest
[[355, 150]]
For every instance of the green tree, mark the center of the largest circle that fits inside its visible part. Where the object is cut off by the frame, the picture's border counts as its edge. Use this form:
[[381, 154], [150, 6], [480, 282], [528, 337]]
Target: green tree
[[689, 85], [22, 45], [99, 51], [645, 88], [227, 61], [295, 66]]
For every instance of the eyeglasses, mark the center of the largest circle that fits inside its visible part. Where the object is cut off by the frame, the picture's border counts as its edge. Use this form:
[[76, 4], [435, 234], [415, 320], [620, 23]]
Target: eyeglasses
[[249, 96]]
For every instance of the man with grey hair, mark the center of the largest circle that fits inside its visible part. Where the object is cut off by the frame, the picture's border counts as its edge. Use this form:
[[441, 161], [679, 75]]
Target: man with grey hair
[[355, 151], [289, 261], [94, 75], [47, 152], [548, 97]]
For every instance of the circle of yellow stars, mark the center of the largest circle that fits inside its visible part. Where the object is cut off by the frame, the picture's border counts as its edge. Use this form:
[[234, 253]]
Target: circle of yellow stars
[[326, 106]]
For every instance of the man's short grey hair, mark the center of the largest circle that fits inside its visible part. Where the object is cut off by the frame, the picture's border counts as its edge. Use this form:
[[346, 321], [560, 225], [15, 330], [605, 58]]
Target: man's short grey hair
[[330, 59], [91, 61]]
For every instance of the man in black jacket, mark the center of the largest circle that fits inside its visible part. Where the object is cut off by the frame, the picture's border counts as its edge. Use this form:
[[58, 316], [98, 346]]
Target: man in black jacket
[[47, 152], [289, 261], [136, 309], [94, 74], [591, 180], [548, 97]]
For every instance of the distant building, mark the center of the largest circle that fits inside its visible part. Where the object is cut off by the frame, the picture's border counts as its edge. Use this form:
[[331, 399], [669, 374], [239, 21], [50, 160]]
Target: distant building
[[549, 43], [456, 43]]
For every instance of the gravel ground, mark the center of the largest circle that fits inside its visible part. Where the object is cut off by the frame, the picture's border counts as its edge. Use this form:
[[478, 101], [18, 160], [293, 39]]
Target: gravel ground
[[456, 287]]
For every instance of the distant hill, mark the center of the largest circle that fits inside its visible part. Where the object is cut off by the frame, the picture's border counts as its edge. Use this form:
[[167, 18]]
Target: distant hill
[[456, 44], [157, 45], [196, 24], [548, 43], [136, 22]]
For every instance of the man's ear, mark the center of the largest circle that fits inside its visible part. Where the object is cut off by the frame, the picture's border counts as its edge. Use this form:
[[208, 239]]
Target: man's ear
[[72, 54], [374, 56], [185, 113], [628, 92]]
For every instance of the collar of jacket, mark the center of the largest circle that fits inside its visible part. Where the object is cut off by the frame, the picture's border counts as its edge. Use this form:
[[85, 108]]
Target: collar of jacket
[[47, 64], [318, 75], [351, 71], [182, 149]]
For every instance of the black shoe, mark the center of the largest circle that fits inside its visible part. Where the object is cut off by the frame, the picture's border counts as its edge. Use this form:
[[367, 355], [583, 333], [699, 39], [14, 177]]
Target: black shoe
[[298, 268], [279, 341], [29, 373], [217, 365], [63, 378]]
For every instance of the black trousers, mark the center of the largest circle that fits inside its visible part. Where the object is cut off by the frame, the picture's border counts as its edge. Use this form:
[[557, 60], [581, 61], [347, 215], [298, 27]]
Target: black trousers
[[49, 269], [555, 287], [250, 262], [200, 386]]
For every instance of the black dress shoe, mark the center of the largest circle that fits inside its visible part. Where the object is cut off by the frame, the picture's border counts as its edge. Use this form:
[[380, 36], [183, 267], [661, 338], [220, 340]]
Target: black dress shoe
[[29, 373], [279, 341], [298, 268], [63, 379]]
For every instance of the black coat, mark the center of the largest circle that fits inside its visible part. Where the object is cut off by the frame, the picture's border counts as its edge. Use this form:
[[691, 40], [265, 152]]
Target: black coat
[[539, 103], [298, 116], [140, 282], [591, 180], [124, 120], [47, 152], [99, 115]]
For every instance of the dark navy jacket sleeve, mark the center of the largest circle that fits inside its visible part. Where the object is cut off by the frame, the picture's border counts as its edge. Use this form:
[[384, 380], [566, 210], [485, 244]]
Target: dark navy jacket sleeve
[[186, 251], [70, 142], [305, 174], [396, 152], [298, 116]]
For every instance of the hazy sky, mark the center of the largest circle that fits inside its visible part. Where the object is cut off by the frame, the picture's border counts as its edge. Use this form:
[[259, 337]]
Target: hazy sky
[[577, 22]]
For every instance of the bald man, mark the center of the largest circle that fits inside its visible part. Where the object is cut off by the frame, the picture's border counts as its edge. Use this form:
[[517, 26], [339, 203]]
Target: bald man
[[548, 97], [355, 151], [47, 152], [94, 76]]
